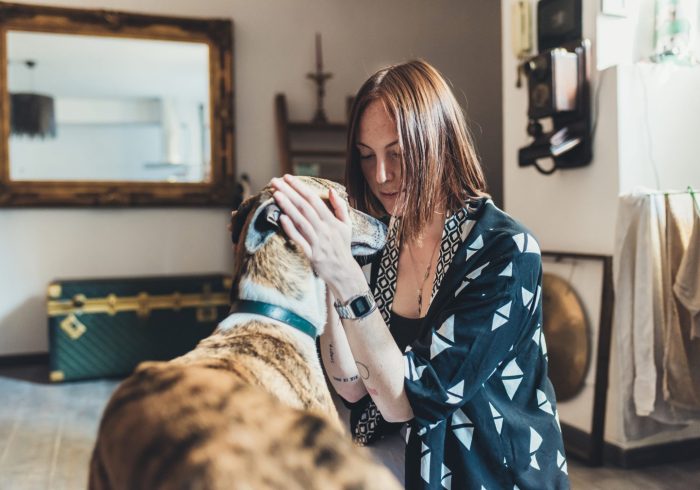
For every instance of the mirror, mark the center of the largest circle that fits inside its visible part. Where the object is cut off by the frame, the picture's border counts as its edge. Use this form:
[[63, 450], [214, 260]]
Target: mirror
[[108, 108], [141, 116]]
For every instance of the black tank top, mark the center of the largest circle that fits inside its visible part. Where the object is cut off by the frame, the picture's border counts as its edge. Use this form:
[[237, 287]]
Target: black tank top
[[404, 330]]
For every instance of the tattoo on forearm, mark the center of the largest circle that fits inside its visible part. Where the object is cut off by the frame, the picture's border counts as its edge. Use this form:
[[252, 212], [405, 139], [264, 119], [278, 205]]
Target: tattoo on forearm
[[363, 370], [331, 353], [346, 380]]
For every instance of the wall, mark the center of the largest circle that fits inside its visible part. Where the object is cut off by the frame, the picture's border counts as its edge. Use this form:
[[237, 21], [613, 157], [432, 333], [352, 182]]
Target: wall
[[273, 51], [570, 210], [659, 147], [646, 115]]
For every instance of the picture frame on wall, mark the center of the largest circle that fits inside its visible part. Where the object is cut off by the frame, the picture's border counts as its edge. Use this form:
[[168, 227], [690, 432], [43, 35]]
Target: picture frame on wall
[[578, 301]]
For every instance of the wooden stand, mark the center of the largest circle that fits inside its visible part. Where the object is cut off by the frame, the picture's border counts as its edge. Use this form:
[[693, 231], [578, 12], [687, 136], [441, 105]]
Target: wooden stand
[[315, 148]]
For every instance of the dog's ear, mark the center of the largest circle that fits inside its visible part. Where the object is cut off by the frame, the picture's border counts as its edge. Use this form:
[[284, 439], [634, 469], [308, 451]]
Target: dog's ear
[[239, 217], [263, 224]]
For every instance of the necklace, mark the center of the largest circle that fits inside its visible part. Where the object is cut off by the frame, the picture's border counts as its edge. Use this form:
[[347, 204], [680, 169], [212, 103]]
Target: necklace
[[421, 284]]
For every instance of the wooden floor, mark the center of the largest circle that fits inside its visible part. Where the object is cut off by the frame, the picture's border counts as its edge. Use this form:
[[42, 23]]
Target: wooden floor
[[47, 432]]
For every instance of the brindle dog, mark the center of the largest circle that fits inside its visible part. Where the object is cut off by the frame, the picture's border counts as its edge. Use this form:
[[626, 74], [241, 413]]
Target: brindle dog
[[248, 408]]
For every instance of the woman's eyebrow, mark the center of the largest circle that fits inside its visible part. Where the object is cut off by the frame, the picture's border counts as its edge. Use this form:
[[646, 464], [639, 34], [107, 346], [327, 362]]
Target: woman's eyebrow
[[358, 143]]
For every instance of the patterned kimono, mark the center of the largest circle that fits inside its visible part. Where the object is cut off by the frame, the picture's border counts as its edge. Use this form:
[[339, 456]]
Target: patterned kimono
[[476, 377]]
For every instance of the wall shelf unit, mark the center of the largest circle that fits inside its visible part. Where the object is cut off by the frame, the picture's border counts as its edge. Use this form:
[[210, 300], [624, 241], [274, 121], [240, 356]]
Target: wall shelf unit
[[307, 148]]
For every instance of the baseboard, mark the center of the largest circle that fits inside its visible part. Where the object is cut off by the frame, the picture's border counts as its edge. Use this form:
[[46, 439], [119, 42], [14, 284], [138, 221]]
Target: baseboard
[[24, 359], [578, 446], [668, 452]]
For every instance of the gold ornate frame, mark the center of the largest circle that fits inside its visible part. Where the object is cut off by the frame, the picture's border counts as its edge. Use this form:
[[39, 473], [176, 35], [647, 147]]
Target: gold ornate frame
[[217, 33]]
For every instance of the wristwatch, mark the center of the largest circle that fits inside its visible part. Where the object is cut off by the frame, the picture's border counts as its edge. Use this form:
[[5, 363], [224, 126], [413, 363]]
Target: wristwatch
[[356, 307]]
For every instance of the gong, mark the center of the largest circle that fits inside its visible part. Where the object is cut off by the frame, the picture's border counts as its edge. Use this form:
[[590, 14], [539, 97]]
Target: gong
[[566, 332]]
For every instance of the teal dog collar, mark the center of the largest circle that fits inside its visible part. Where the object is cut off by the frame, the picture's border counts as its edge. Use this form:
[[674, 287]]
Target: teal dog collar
[[276, 313]]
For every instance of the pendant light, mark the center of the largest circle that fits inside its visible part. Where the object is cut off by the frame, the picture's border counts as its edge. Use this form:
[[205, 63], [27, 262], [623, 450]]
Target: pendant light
[[32, 114]]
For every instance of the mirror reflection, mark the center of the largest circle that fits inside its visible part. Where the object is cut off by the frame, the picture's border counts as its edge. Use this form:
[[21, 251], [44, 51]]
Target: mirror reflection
[[95, 108]]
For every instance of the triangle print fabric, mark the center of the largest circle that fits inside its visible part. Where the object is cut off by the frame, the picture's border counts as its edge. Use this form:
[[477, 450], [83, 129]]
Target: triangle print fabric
[[501, 316], [446, 478], [497, 418], [455, 393], [535, 443], [425, 464], [476, 376], [462, 428], [511, 378]]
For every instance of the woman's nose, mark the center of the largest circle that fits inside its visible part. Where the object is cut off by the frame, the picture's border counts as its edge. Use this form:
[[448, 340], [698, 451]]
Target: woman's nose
[[382, 171]]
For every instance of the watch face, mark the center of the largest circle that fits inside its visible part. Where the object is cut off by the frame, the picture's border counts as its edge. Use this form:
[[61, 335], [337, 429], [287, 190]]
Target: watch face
[[360, 306]]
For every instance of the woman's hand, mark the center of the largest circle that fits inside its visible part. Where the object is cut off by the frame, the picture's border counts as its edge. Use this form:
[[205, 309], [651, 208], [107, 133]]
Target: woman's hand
[[323, 235]]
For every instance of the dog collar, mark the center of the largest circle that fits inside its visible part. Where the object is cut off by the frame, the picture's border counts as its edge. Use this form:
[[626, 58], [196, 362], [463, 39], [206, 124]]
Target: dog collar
[[276, 313]]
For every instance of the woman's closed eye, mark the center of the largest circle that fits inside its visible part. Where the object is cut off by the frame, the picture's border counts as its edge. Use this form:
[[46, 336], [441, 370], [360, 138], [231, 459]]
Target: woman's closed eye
[[395, 155]]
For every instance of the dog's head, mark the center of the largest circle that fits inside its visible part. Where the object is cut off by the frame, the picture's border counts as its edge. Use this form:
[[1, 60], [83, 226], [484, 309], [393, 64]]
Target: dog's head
[[272, 268], [257, 221]]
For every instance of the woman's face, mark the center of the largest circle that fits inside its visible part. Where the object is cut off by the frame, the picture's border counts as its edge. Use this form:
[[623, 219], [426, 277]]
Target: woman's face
[[380, 155]]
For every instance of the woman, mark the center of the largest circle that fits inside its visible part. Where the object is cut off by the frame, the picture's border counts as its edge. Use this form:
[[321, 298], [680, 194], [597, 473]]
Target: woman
[[453, 345]]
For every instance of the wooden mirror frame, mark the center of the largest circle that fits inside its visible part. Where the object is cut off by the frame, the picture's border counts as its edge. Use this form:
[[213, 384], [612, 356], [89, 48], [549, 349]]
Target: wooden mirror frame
[[216, 33]]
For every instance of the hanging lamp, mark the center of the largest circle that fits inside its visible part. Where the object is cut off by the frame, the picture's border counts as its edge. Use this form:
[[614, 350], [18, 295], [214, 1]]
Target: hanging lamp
[[32, 114]]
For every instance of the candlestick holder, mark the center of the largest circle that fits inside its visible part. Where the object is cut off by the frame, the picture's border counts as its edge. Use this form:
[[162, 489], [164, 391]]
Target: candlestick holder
[[319, 77]]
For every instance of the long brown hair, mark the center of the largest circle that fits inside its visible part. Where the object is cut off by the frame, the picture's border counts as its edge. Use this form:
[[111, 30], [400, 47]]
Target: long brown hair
[[440, 168]]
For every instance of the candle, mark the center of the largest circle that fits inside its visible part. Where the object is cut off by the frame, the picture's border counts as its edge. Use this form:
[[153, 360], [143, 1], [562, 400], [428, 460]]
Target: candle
[[319, 63]]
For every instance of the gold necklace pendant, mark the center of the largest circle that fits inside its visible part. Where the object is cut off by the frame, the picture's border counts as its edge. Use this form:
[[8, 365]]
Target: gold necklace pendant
[[420, 302], [425, 276]]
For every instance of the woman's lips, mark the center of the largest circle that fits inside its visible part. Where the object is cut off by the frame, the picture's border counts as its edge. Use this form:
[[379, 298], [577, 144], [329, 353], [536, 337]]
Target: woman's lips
[[389, 194]]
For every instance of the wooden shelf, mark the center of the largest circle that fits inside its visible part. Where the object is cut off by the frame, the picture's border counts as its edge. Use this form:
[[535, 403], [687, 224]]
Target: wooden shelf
[[302, 126], [301, 142], [308, 152]]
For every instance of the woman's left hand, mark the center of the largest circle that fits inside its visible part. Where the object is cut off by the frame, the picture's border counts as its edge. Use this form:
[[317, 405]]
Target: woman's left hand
[[322, 234]]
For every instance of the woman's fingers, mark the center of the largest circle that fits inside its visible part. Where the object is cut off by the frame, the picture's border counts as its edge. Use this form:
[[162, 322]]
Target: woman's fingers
[[340, 207], [298, 220], [294, 235], [296, 199], [310, 195]]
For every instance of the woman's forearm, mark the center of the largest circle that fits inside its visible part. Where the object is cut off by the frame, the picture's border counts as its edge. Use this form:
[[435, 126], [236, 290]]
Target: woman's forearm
[[379, 361], [337, 358]]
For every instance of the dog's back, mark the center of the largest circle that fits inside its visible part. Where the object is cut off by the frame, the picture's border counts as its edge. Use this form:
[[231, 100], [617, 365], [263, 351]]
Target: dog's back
[[197, 426]]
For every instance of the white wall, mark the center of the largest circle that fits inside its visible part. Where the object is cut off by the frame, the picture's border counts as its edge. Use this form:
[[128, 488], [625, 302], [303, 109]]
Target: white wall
[[38, 246], [641, 107], [625, 40], [571, 210], [659, 145], [273, 51]]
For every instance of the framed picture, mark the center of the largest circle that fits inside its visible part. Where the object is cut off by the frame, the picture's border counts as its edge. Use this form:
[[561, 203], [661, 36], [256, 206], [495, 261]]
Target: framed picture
[[577, 321]]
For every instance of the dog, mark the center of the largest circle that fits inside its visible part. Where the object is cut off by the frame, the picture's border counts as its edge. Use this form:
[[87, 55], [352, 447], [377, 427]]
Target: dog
[[249, 407]]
